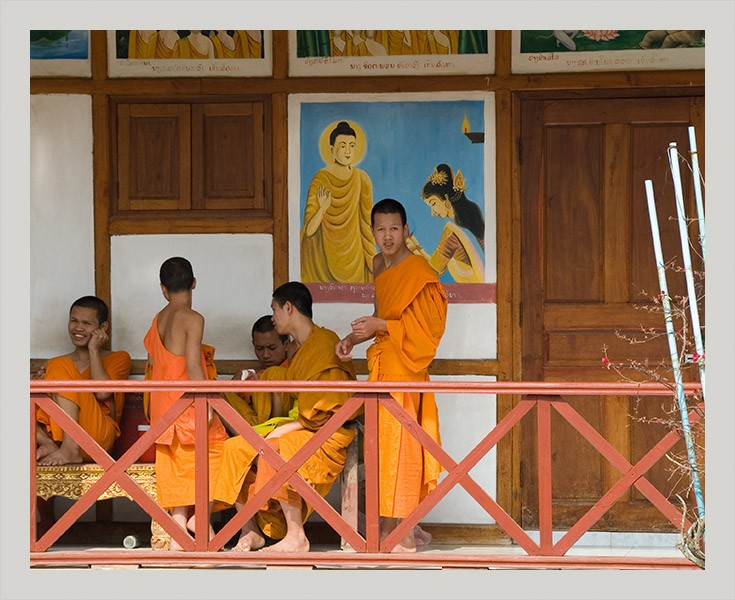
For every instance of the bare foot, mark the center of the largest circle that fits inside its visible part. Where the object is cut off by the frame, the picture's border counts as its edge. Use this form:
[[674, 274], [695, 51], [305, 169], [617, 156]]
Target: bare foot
[[61, 456], [407, 544], [45, 448], [175, 546], [292, 543], [423, 537], [191, 526], [250, 539]]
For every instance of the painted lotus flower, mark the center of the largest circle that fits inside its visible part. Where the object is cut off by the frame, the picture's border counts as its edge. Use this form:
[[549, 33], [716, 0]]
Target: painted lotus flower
[[601, 35]]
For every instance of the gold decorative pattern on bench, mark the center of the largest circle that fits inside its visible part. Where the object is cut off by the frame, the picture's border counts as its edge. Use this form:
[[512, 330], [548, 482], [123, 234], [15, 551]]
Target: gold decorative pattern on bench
[[73, 481]]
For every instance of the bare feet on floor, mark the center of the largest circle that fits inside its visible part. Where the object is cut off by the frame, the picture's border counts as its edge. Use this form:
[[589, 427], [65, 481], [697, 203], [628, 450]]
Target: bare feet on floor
[[406, 545], [250, 539], [191, 526], [45, 448], [423, 537], [60, 456], [293, 543]]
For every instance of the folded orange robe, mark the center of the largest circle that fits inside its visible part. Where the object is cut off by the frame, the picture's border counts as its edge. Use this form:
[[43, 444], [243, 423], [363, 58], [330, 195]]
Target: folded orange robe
[[412, 301], [175, 447], [315, 360], [94, 416]]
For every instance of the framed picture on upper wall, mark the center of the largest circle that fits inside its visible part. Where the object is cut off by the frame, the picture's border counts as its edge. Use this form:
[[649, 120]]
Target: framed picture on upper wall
[[60, 53], [357, 52], [189, 53], [569, 50], [434, 152]]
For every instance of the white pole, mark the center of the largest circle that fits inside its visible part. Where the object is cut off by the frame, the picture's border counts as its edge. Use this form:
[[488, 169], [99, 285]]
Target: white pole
[[672, 347], [697, 185], [687, 258]]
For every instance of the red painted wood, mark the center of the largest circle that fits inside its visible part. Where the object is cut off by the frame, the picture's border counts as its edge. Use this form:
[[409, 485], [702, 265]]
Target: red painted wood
[[372, 503], [612, 495], [457, 473], [552, 388], [201, 473], [356, 560], [543, 418]]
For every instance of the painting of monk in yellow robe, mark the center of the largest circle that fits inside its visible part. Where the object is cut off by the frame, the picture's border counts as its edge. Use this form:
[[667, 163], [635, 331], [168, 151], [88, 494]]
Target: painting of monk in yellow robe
[[336, 238]]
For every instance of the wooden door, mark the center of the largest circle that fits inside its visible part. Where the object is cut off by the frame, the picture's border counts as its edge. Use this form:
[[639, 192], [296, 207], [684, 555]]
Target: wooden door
[[588, 274]]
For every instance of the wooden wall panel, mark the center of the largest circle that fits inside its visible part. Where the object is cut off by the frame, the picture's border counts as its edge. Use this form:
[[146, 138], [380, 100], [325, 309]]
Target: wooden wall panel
[[573, 214]]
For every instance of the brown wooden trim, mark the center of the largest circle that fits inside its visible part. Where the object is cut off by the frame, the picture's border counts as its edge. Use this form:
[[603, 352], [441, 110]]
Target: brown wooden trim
[[231, 366], [98, 54], [619, 84], [279, 47], [504, 286], [279, 169], [158, 224], [101, 187]]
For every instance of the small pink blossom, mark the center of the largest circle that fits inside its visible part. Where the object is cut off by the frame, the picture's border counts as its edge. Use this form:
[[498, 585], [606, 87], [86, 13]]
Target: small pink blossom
[[606, 362], [601, 35]]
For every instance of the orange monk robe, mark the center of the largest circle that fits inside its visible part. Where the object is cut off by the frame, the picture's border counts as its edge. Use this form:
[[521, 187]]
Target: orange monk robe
[[175, 447], [256, 408], [412, 301], [140, 48], [315, 360], [94, 415]]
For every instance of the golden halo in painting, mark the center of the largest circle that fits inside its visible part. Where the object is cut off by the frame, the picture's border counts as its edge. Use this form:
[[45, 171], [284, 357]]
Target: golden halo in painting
[[360, 142]]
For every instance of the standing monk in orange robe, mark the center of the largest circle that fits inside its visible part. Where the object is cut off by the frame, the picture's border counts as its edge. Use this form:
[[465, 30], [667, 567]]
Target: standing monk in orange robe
[[97, 413], [408, 323], [241, 476], [174, 345]]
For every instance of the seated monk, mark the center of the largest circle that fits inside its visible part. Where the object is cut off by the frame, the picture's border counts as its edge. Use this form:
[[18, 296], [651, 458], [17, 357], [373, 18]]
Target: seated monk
[[97, 413], [242, 474], [272, 350]]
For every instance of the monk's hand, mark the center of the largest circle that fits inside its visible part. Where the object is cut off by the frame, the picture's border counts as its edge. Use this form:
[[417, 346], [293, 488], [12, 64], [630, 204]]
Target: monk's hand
[[364, 327], [343, 349], [98, 340], [40, 373]]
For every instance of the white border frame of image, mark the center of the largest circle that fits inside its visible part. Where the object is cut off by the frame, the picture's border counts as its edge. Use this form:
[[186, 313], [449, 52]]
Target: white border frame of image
[[294, 161], [217, 67], [654, 59], [63, 67], [410, 64]]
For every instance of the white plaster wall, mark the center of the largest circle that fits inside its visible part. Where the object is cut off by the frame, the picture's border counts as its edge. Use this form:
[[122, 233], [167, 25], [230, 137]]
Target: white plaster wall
[[470, 332], [234, 274], [464, 420], [61, 216]]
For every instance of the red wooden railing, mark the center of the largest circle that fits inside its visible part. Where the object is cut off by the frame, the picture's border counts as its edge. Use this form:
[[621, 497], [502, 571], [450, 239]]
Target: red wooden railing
[[369, 549]]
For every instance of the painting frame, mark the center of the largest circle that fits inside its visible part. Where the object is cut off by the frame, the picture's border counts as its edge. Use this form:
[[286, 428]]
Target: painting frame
[[311, 115], [480, 63], [53, 66], [190, 67], [569, 55]]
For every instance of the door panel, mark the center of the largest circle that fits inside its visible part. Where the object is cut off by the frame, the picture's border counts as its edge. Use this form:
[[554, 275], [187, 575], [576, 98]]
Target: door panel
[[587, 279]]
